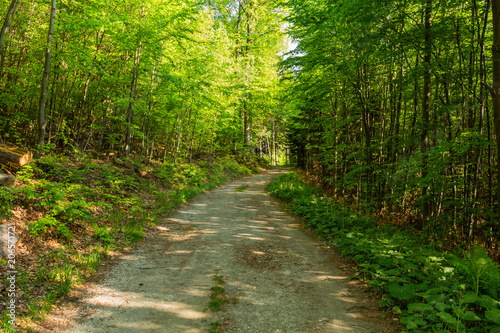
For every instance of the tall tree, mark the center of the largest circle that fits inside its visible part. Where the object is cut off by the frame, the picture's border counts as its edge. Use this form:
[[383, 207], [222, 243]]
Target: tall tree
[[11, 12], [424, 134], [391, 110], [160, 77], [496, 89], [42, 122]]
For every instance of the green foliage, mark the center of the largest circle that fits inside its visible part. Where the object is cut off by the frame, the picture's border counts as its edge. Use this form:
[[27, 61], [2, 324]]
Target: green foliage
[[38, 309], [185, 62], [42, 225], [6, 325], [89, 263], [165, 173], [241, 188], [103, 234], [480, 272], [63, 202], [133, 230], [215, 327], [26, 173], [361, 124], [431, 289], [41, 273], [218, 297], [289, 187], [7, 196], [63, 278]]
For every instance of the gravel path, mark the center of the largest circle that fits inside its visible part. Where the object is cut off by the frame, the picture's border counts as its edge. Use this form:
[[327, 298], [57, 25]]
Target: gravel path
[[282, 279]]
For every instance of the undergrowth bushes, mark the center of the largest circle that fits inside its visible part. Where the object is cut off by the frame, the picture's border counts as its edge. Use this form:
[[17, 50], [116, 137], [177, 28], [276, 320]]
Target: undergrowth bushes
[[72, 211], [432, 290]]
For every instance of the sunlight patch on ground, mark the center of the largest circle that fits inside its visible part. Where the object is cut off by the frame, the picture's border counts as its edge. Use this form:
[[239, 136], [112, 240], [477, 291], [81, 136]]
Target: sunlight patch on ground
[[179, 252], [162, 228], [337, 325], [250, 237], [320, 278], [284, 237]]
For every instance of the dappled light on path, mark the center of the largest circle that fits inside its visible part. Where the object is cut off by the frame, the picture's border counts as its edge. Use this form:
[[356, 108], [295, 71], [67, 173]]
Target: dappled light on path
[[281, 279]]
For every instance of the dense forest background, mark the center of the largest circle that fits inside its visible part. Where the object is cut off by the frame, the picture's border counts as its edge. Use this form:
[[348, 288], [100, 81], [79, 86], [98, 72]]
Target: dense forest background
[[395, 113], [159, 79], [387, 103]]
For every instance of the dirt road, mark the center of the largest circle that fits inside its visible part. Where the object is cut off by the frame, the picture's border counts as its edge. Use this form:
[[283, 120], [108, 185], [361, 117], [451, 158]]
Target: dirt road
[[283, 281]]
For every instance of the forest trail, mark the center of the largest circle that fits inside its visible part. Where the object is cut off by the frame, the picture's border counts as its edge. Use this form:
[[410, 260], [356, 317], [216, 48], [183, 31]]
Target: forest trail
[[283, 280]]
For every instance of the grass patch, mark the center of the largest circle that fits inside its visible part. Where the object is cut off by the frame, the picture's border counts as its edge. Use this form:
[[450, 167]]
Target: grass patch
[[215, 327], [218, 297], [218, 301], [241, 188]]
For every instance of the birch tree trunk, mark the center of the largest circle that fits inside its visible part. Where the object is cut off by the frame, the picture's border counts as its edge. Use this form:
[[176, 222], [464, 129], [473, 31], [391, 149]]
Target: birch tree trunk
[[42, 122], [275, 143]]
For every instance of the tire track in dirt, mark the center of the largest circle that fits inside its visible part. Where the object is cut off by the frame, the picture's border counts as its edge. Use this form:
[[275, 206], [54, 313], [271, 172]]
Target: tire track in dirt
[[283, 280]]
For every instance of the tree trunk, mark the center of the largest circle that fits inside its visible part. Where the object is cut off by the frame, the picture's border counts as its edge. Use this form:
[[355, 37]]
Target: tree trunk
[[128, 136], [6, 24], [260, 146], [212, 139], [14, 155], [147, 120], [249, 67], [276, 149], [238, 25], [496, 91], [42, 122], [424, 134], [180, 127], [269, 150]]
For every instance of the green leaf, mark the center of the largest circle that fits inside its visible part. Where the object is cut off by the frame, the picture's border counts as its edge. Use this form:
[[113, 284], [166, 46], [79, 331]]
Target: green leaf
[[470, 316], [447, 318], [448, 270], [421, 322], [396, 309], [441, 306], [493, 315], [402, 292], [411, 325], [488, 302], [419, 307], [495, 330], [469, 297], [433, 299]]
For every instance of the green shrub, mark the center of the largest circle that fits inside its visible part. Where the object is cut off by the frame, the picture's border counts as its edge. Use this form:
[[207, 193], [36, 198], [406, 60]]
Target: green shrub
[[288, 187], [7, 196], [103, 234]]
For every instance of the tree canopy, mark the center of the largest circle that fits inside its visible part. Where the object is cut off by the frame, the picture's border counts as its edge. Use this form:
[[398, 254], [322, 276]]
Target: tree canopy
[[395, 112], [161, 79]]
